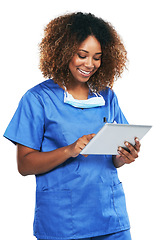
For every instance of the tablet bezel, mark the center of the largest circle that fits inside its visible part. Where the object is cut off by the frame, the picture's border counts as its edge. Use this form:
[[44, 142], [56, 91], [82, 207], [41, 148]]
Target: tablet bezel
[[111, 136]]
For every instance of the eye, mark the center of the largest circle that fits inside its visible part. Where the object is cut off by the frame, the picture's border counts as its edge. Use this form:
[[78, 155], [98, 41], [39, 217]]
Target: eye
[[97, 59], [81, 56]]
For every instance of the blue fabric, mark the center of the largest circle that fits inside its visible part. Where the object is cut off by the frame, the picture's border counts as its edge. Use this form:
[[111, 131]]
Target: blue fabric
[[123, 235], [82, 197]]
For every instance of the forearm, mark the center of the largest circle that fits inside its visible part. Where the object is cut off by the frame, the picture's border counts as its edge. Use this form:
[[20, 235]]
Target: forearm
[[35, 162], [31, 161]]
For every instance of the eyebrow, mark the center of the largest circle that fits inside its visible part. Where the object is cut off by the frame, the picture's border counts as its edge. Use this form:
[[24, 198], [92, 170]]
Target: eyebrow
[[88, 52]]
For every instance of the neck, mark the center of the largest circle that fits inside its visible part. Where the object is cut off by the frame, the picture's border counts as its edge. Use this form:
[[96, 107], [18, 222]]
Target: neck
[[78, 90]]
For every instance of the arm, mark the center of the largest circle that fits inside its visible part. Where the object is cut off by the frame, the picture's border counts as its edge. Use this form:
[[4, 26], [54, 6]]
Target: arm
[[126, 157], [31, 161]]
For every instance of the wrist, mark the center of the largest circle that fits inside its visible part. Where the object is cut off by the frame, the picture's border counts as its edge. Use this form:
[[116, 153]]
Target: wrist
[[68, 152]]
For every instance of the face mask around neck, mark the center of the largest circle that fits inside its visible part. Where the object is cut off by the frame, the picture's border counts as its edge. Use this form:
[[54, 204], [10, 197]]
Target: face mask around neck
[[96, 101]]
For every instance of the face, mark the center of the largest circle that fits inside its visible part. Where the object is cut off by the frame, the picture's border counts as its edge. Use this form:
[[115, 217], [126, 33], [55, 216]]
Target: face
[[87, 60]]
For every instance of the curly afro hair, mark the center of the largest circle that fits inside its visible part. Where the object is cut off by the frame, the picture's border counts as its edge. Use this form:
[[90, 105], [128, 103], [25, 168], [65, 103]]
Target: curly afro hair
[[62, 38]]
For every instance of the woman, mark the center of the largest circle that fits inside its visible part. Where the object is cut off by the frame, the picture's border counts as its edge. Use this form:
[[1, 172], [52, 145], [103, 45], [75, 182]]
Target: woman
[[76, 196]]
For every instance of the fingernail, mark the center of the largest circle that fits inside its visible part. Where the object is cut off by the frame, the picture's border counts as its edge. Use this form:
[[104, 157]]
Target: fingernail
[[126, 143]]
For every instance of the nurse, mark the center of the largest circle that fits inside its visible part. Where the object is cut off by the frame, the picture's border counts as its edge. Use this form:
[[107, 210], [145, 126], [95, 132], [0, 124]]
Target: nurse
[[77, 197]]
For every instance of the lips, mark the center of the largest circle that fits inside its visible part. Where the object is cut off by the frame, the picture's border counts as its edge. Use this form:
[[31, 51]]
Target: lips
[[85, 73]]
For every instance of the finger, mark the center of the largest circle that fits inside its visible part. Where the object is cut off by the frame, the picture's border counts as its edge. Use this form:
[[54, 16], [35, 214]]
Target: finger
[[128, 158], [125, 158], [82, 143], [137, 144], [84, 140], [132, 150], [90, 136]]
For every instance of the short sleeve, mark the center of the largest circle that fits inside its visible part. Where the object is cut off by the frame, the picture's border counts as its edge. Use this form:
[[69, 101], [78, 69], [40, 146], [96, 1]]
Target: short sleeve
[[27, 124], [118, 114]]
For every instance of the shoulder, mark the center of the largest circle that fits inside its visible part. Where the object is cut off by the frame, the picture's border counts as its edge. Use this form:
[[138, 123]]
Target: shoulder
[[108, 94], [40, 91], [41, 87]]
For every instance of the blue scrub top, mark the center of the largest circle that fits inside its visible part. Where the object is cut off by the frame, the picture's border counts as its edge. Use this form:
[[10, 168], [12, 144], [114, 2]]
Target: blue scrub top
[[82, 197]]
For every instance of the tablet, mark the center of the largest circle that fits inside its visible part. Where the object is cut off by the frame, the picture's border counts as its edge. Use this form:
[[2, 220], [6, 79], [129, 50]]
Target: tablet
[[111, 136]]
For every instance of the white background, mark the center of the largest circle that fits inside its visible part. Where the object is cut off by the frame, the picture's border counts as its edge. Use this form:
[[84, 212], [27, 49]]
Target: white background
[[21, 29]]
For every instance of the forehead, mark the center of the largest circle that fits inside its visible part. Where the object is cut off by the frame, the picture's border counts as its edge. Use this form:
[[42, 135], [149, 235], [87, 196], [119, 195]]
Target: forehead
[[90, 44]]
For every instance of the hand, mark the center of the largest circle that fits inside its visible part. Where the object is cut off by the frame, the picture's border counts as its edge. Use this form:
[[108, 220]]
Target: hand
[[129, 157], [78, 146]]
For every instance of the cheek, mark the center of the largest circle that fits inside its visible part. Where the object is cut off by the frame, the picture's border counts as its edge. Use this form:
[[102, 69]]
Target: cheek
[[75, 62], [78, 62], [98, 64], [73, 66]]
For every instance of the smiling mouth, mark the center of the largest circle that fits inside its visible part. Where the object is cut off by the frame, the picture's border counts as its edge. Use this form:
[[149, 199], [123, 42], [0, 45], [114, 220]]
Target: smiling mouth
[[85, 73]]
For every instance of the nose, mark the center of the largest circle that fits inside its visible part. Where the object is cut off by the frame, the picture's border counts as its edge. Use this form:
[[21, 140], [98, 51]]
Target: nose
[[89, 63]]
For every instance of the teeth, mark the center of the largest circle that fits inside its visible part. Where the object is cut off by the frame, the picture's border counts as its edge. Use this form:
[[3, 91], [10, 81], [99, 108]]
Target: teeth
[[84, 72]]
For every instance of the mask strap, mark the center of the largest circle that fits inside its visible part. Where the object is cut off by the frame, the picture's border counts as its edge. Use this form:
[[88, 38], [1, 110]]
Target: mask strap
[[65, 88], [97, 94]]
